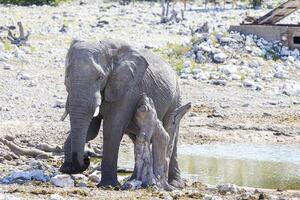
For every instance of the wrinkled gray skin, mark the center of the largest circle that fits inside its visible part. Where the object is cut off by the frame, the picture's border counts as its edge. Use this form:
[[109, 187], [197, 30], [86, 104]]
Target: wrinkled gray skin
[[114, 76]]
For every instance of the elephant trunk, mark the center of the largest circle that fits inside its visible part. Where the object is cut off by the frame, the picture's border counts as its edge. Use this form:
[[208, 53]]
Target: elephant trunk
[[82, 104]]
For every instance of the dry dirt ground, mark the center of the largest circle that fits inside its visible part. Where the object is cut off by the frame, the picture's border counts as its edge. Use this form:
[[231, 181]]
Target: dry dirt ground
[[32, 93]]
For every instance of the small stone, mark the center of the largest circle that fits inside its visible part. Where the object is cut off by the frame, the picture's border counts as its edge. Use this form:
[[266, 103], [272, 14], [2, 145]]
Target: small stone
[[56, 197], [62, 180], [224, 188], [228, 69], [82, 184], [219, 82], [254, 64], [200, 76], [32, 84], [23, 76], [80, 177], [281, 74], [200, 58], [7, 66], [210, 197], [95, 177], [184, 76], [219, 57], [251, 85], [187, 64], [59, 103]]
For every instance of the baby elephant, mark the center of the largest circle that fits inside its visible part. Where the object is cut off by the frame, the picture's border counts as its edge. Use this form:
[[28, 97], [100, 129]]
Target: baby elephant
[[151, 146]]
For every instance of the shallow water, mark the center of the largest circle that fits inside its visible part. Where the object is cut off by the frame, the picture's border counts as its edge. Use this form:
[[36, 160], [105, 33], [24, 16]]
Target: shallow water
[[263, 166]]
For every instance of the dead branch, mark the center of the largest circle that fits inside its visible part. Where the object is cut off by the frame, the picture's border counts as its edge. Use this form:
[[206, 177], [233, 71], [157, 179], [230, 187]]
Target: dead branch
[[25, 151], [22, 39], [49, 148]]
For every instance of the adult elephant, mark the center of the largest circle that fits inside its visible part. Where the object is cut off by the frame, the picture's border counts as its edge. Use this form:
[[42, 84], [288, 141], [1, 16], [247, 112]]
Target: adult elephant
[[113, 76]]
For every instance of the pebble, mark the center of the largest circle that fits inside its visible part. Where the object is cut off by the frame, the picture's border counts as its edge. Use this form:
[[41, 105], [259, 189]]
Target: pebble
[[251, 85], [7, 66], [219, 82], [95, 177], [210, 197], [219, 57], [23, 76], [59, 104], [62, 180], [224, 188], [56, 197]]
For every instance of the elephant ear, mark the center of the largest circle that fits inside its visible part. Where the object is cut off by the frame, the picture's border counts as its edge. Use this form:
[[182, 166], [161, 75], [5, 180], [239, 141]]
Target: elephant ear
[[129, 67]]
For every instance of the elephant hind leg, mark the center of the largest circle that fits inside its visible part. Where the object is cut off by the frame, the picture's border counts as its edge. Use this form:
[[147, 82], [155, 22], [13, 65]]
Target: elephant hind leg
[[171, 124]]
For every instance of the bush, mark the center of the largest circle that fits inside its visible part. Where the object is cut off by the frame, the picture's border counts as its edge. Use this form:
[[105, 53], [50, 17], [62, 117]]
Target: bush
[[31, 2]]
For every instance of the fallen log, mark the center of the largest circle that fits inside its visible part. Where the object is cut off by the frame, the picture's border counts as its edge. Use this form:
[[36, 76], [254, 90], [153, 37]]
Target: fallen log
[[25, 151]]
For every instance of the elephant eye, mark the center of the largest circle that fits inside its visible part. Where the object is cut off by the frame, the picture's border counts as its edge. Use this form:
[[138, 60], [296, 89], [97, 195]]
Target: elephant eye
[[99, 78]]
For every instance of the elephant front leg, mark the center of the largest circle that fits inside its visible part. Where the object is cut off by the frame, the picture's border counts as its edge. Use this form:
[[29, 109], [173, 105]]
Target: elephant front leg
[[112, 135], [114, 124]]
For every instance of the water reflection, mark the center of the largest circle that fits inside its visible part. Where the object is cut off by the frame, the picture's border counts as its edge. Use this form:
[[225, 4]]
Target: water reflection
[[264, 166], [250, 173]]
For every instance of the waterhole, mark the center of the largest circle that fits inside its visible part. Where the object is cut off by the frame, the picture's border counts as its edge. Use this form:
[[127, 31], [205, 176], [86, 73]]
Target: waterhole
[[261, 166]]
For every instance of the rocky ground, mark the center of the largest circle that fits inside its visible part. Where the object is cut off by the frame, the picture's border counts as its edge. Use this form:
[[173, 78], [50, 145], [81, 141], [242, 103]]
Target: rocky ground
[[243, 89]]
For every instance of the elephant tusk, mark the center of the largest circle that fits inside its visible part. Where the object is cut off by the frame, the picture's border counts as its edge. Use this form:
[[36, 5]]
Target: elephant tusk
[[63, 117], [96, 112]]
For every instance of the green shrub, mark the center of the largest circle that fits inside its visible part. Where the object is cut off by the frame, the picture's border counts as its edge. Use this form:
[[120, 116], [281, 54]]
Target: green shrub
[[31, 2]]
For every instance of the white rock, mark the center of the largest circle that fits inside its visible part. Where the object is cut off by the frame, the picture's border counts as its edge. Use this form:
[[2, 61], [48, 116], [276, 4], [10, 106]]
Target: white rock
[[56, 197], [59, 103], [285, 51], [235, 77], [219, 82], [8, 197], [291, 59], [187, 64], [210, 197], [186, 70], [251, 85], [200, 76], [7, 66], [132, 185], [228, 69], [62, 180], [205, 47], [184, 76], [254, 64], [281, 74], [219, 57], [200, 58], [32, 84], [80, 177], [95, 176], [224, 188], [23, 76], [227, 40], [290, 89]]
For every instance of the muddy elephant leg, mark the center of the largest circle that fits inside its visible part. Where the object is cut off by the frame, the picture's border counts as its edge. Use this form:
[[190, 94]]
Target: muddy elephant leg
[[94, 128], [174, 177], [67, 150], [114, 124], [171, 124]]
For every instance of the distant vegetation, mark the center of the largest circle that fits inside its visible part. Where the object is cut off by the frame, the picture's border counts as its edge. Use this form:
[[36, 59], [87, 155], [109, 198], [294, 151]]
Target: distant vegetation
[[31, 2]]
